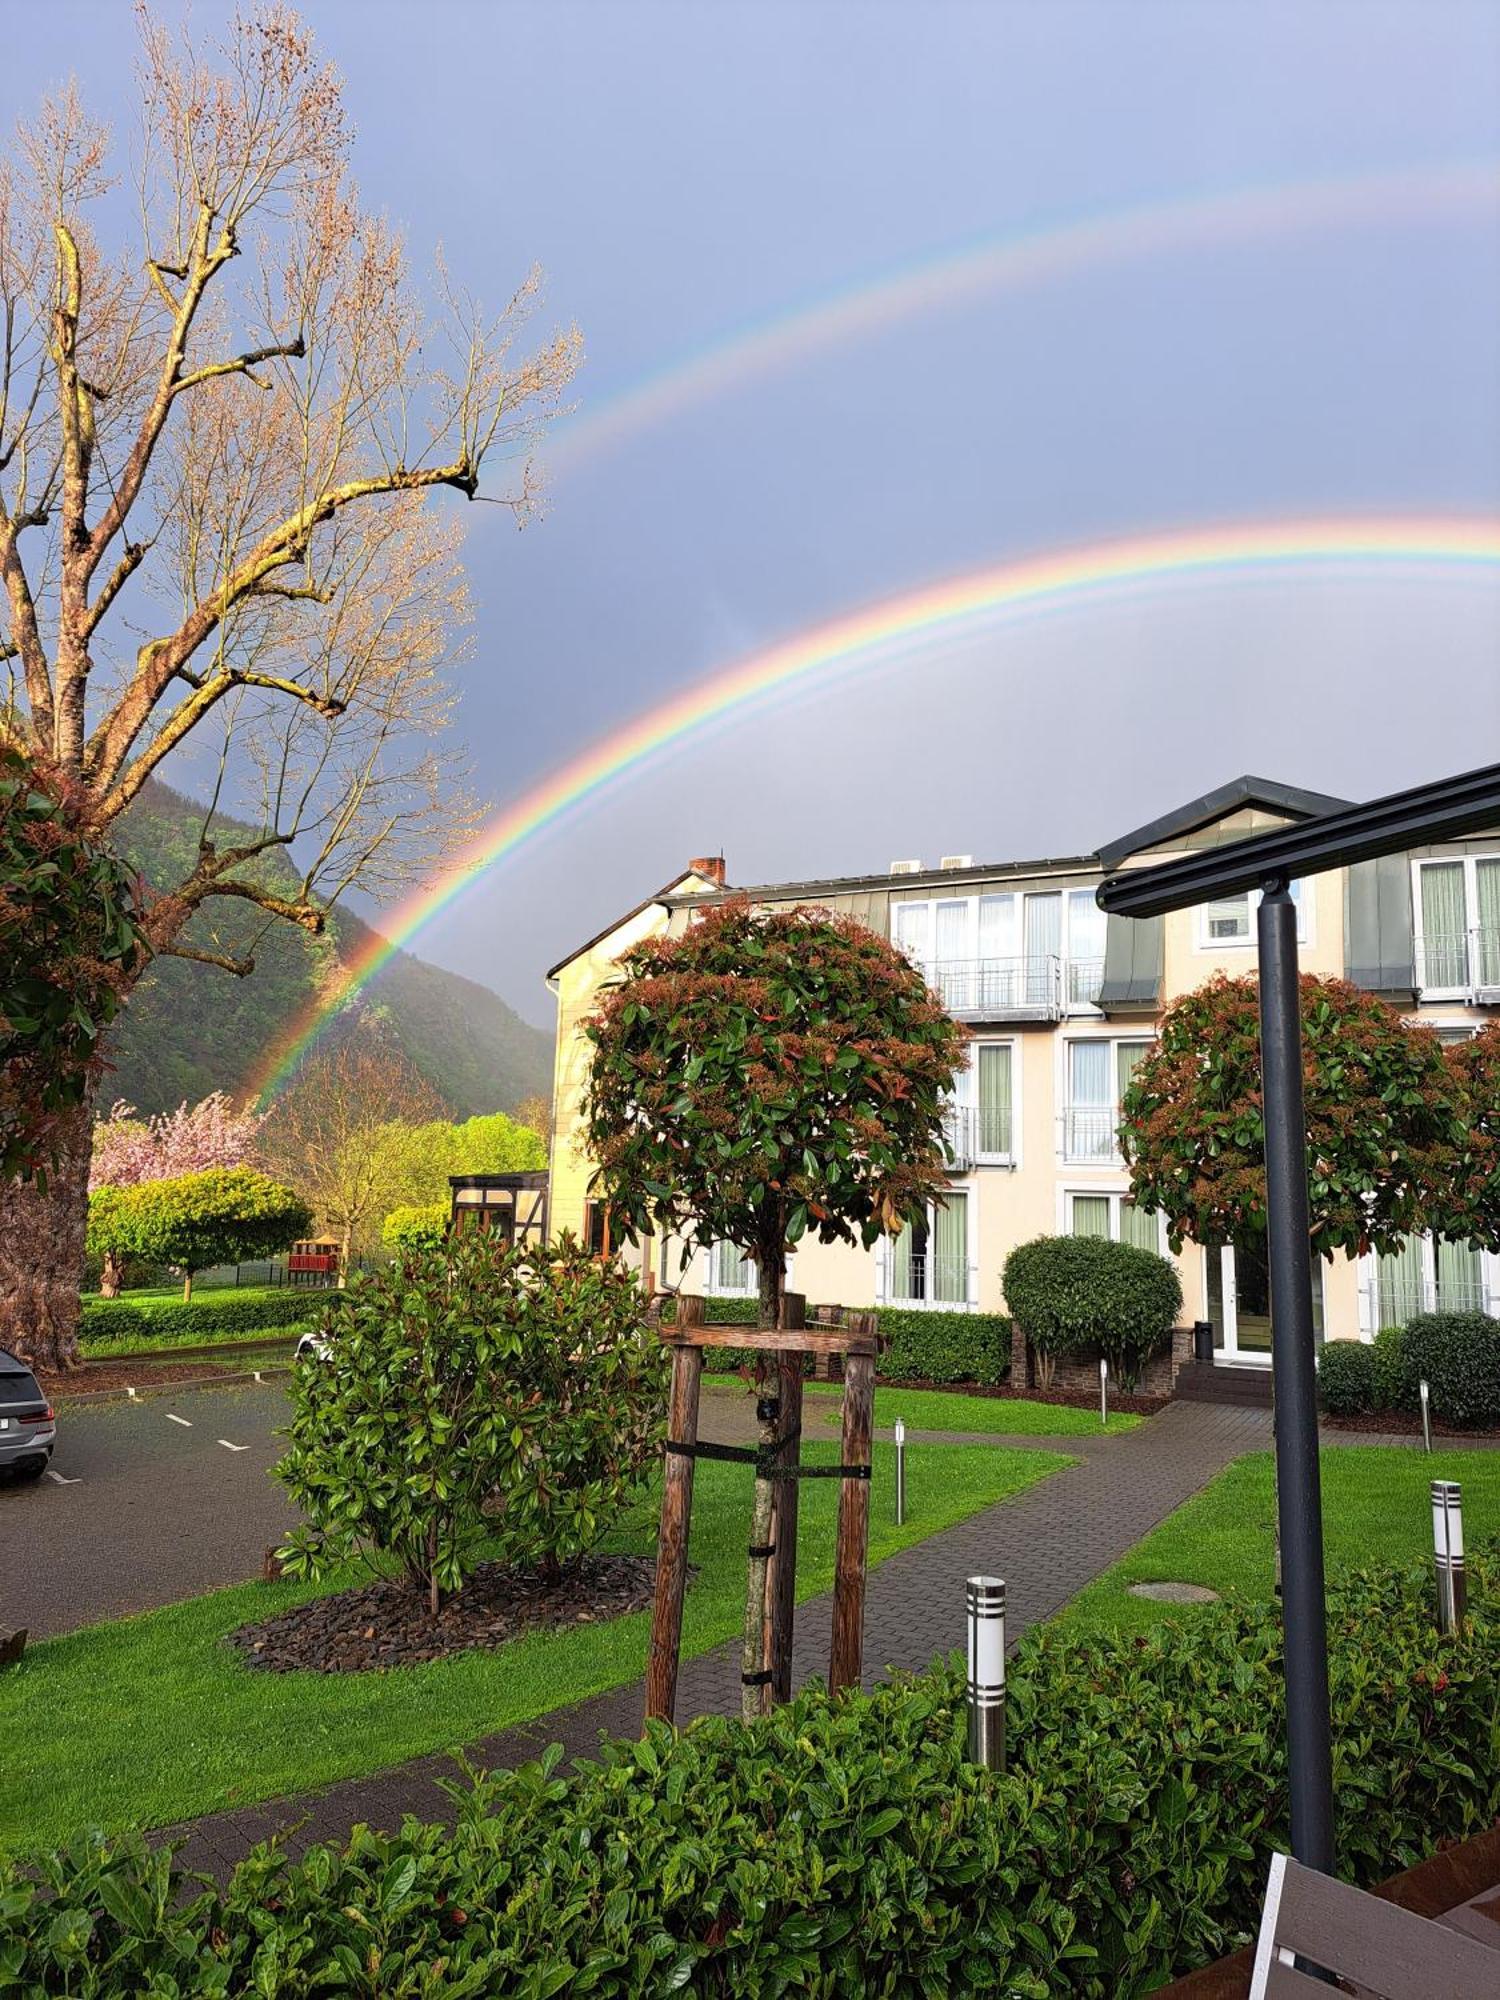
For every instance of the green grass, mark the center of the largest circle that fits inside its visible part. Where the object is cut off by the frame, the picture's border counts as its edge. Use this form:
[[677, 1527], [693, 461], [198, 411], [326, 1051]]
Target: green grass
[[171, 1294], [1376, 1508], [167, 1344], [154, 1719], [944, 1410]]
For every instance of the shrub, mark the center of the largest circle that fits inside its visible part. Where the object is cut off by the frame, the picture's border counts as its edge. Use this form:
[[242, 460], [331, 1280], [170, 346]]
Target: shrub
[[1346, 1378], [224, 1215], [943, 1347], [248, 1311], [1073, 1294], [477, 1399], [1388, 1355], [1459, 1355], [416, 1226], [848, 1846]]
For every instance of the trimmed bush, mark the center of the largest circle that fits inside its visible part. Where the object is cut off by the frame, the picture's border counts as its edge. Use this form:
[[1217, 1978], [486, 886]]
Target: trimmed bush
[[416, 1226], [1346, 1378], [1459, 1355], [943, 1346], [1389, 1357], [845, 1847], [252, 1310], [1074, 1295]]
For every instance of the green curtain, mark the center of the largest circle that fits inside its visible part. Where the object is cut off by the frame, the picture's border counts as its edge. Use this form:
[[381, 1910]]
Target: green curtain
[[1460, 1287], [951, 1246], [1443, 941], [1091, 1215], [1487, 882], [994, 1098], [1139, 1227], [1127, 1055], [901, 1264], [1400, 1290]]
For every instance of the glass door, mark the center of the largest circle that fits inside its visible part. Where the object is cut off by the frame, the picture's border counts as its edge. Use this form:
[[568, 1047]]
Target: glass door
[[1239, 1303]]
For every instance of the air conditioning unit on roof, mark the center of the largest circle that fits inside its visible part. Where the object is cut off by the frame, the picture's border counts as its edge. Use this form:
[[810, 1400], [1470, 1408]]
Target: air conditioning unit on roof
[[906, 867], [957, 861]]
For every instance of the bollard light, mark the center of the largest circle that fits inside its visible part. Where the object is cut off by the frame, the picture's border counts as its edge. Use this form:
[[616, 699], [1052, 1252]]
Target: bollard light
[[986, 1599], [900, 1472], [1426, 1394], [1103, 1391], [1448, 1553]]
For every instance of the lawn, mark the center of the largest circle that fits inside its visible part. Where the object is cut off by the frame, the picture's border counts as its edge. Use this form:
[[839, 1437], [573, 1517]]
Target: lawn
[[153, 1719], [166, 1344], [944, 1410], [1376, 1508]]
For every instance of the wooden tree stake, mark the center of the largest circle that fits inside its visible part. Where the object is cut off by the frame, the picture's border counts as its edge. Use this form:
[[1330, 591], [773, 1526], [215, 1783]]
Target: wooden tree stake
[[754, 1688], [781, 1586], [846, 1659], [676, 1515]]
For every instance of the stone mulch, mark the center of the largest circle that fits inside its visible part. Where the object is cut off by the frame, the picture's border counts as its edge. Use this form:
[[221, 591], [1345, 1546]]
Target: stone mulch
[[386, 1624]]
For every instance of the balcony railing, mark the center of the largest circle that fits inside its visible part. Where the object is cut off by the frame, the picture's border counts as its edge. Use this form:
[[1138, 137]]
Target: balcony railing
[[974, 1132], [923, 1279], [1088, 1133], [1399, 1299], [1462, 963], [1082, 978]]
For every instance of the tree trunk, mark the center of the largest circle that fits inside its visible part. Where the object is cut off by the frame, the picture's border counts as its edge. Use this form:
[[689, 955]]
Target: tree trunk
[[111, 1275], [187, 1286], [41, 1248]]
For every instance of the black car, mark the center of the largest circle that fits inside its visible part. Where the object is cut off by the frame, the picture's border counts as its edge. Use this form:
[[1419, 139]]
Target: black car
[[26, 1428]]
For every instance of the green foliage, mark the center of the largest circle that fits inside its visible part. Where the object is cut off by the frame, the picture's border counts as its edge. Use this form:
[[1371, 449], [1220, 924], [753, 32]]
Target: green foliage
[[226, 1215], [847, 1847], [416, 1227], [1458, 1355], [1080, 1294], [420, 1158], [943, 1347], [475, 1395], [1383, 1126], [70, 944], [1389, 1360], [1346, 1378], [1467, 1205], [203, 1317], [763, 1075]]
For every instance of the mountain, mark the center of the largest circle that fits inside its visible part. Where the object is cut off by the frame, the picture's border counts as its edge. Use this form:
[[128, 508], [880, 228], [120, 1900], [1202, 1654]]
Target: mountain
[[191, 1028]]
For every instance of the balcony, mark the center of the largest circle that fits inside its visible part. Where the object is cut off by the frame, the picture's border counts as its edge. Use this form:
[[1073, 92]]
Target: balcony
[[1088, 1134], [972, 1133], [925, 1280], [1038, 987], [1461, 965]]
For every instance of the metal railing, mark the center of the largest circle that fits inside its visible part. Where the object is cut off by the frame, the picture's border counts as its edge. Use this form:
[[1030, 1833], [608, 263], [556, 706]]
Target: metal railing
[[999, 989], [1401, 1299], [974, 1132], [1082, 978], [1088, 1132], [1461, 962], [924, 1279]]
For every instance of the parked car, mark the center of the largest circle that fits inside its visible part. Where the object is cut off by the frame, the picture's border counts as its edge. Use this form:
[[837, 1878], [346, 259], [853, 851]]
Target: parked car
[[26, 1427], [312, 1347]]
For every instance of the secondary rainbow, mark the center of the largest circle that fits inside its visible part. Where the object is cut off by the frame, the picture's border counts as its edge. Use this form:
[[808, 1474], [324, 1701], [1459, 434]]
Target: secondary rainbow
[[926, 618]]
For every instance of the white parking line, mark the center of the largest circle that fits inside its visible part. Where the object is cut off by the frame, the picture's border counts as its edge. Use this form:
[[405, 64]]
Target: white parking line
[[186, 1422], [51, 1474], [233, 1447]]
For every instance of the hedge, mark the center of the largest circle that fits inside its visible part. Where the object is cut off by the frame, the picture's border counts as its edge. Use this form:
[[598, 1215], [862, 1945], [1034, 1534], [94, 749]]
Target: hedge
[[943, 1346], [847, 1846], [248, 1311], [1456, 1353], [1346, 1378]]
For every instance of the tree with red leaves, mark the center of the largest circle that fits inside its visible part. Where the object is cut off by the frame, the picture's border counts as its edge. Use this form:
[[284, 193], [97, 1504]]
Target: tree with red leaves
[[1468, 1201], [765, 1075]]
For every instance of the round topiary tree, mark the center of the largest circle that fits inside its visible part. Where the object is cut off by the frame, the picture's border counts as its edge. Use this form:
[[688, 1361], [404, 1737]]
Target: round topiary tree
[[416, 1226], [1076, 1294], [767, 1074], [476, 1399], [1383, 1129], [226, 1215]]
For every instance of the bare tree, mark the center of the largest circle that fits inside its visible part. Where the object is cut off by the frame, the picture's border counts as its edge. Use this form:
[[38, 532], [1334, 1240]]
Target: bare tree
[[335, 1133], [218, 453]]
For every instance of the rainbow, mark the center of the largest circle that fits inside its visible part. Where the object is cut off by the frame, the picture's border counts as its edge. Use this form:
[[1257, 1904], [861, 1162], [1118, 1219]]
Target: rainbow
[[1012, 262], [854, 642]]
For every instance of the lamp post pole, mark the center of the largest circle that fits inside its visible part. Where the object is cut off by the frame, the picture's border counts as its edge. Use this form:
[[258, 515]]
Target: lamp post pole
[[1298, 1492]]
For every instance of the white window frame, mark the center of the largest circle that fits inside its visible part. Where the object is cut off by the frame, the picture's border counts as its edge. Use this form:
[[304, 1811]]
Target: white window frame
[[1228, 1348], [1066, 1045], [1116, 1197], [1204, 943], [712, 1289], [1369, 1286], [929, 964], [884, 1270], [968, 1098], [1469, 863]]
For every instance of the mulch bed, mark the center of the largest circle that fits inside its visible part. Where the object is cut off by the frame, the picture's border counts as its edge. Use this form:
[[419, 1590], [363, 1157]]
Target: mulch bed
[[122, 1375], [1402, 1423], [385, 1624], [1071, 1399]]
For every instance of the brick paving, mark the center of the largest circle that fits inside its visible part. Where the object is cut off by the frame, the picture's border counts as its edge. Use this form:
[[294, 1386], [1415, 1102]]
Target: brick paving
[[1047, 1542]]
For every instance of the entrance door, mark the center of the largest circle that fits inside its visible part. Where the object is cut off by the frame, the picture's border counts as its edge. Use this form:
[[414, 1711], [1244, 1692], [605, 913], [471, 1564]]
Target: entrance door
[[1239, 1303]]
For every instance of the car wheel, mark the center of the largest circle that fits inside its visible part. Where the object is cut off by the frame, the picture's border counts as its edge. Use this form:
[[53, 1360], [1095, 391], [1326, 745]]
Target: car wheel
[[33, 1468]]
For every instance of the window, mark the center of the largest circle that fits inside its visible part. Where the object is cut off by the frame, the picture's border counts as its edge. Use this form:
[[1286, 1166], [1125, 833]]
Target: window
[[1013, 952], [596, 1228], [731, 1274], [1457, 906], [1230, 919], [928, 1263], [993, 1066], [1429, 1274], [1115, 1216], [1098, 1071]]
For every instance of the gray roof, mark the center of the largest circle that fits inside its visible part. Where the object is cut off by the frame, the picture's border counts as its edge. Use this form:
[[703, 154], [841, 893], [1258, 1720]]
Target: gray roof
[[1233, 797]]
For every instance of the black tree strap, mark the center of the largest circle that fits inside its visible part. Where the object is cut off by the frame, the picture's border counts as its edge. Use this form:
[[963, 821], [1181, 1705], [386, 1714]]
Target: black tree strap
[[761, 1549], [763, 1679], [766, 1458], [827, 1472]]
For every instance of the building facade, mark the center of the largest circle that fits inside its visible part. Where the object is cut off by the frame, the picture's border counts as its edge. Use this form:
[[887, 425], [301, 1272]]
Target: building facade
[[1060, 1003]]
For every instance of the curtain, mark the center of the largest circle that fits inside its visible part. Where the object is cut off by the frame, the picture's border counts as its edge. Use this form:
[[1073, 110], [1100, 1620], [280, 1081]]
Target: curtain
[[1127, 1055], [1444, 954], [1085, 946], [1400, 1286], [736, 1272], [999, 952], [1088, 1066], [1043, 944], [1091, 1215], [901, 1264], [1487, 885], [1460, 1287], [994, 1097], [1138, 1227], [1229, 917], [950, 1235], [953, 955]]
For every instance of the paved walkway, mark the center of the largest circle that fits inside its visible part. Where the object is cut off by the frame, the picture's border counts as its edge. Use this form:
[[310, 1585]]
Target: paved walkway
[[1047, 1543]]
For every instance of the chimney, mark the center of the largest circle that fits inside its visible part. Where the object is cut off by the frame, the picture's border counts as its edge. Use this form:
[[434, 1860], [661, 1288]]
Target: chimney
[[711, 865]]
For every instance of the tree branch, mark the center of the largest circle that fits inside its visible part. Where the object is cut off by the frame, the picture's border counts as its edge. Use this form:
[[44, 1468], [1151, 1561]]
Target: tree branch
[[242, 364], [124, 569], [240, 967], [310, 917], [26, 638]]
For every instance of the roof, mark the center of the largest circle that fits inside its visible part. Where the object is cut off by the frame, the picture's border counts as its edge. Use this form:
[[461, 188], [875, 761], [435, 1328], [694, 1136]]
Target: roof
[[616, 923], [832, 885], [1240, 792]]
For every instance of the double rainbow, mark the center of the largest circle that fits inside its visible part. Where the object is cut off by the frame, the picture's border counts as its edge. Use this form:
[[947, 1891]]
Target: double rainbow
[[900, 626]]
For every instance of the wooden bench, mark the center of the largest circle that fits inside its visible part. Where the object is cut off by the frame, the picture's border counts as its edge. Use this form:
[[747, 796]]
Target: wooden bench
[[1371, 1947]]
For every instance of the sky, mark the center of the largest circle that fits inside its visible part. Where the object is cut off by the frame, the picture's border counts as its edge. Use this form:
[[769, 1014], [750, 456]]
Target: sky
[[687, 172]]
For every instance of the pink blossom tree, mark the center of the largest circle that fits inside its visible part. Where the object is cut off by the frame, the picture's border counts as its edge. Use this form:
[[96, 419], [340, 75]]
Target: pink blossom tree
[[190, 1140]]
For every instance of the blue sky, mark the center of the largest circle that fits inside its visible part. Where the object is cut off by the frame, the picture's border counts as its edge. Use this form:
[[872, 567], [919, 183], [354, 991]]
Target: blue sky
[[683, 170]]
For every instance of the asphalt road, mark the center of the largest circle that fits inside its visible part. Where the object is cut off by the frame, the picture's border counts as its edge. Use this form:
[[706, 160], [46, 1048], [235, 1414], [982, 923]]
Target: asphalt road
[[152, 1501]]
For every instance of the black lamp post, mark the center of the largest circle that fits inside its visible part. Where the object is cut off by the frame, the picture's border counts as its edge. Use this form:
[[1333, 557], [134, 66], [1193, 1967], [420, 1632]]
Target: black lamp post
[[1268, 862]]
